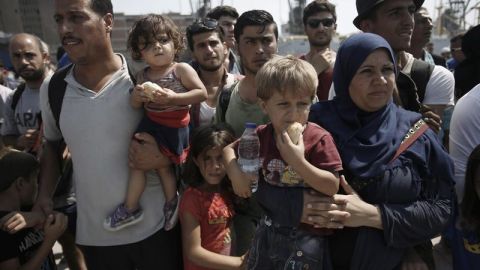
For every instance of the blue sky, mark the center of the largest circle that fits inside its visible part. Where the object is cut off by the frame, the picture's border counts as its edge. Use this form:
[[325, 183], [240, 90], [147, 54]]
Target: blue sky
[[346, 10]]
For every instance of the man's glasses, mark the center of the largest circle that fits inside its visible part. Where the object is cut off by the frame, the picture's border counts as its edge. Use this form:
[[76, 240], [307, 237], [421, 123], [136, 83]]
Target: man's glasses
[[207, 24], [327, 22], [455, 49]]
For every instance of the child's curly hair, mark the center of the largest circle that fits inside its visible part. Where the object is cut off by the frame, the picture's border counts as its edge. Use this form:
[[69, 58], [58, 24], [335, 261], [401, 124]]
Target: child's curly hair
[[148, 28]]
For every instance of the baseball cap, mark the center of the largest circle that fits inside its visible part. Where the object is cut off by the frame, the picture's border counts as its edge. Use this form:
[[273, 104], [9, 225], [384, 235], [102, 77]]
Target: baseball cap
[[15, 164], [364, 7]]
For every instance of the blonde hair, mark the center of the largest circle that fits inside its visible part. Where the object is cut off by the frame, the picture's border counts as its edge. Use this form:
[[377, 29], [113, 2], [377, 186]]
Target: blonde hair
[[286, 73]]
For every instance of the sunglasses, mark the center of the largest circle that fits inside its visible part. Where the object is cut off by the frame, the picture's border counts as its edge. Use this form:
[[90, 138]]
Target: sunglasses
[[455, 49], [327, 22], [207, 24]]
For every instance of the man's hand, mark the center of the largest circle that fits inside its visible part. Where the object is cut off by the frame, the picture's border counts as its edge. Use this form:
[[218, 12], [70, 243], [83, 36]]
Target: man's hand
[[28, 140], [432, 119], [143, 153], [16, 221], [322, 60], [54, 226]]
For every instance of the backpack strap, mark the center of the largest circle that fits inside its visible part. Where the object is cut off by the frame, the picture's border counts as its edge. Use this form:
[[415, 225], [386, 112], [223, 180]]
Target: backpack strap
[[16, 95], [57, 88], [224, 100], [56, 91], [420, 74], [132, 77], [412, 135]]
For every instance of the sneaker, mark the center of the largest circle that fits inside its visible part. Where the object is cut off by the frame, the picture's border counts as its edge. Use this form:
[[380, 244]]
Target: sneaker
[[121, 218], [170, 211]]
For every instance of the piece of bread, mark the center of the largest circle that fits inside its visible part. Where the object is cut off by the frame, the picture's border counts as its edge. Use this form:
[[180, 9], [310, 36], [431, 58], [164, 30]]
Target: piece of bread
[[294, 131], [149, 88]]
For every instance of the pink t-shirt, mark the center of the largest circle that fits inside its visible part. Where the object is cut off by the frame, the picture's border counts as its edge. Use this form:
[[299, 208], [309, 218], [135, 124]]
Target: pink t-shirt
[[214, 211]]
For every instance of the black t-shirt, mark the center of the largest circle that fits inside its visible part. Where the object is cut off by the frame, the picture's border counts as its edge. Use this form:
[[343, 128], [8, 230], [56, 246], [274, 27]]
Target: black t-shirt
[[23, 245]]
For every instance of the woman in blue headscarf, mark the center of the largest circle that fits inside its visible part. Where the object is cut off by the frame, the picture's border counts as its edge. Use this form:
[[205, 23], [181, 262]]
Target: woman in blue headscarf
[[398, 202]]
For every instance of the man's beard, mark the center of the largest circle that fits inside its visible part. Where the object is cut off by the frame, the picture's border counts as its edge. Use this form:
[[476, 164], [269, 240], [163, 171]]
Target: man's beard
[[35, 76], [247, 69], [211, 68]]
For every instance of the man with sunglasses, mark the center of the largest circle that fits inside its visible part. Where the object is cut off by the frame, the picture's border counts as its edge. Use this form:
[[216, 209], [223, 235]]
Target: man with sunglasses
[[209, 51], [319, 21], [227, 16]]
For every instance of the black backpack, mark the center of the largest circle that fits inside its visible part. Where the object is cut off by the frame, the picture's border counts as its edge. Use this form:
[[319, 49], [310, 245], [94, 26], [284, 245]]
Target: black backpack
[[412, 87], [224, 100], [420, 74]]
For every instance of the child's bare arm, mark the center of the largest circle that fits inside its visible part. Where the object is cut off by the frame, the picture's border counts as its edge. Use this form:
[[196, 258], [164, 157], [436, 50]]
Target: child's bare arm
[[190, 80], [16, 221], [200, 256], [321, 180], [241, 185]]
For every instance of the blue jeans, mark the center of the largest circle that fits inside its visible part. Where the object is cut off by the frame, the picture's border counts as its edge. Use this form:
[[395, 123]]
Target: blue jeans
[[287, 248]]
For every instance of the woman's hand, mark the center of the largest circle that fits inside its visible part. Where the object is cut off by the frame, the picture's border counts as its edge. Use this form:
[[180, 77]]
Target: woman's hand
[[323, 211], [361, 213], [340, 210]]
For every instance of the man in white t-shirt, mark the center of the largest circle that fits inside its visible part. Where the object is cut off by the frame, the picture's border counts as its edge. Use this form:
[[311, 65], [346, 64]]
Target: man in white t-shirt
[[464, 135], [97, 123]]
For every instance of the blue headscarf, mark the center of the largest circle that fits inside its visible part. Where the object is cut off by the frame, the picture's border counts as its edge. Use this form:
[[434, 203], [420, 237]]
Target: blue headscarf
[[366, 141]]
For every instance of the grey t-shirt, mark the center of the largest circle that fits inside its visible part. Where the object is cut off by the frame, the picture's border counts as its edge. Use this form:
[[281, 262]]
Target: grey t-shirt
[[26, 115], [98, 128], [239, 112]]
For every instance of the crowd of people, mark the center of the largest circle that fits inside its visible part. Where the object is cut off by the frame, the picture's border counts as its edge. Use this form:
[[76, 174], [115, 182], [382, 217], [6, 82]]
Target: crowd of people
[[142, 171]]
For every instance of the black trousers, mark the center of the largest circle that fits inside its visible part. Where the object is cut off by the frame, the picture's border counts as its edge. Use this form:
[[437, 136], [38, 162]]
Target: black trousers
[[162, 250]]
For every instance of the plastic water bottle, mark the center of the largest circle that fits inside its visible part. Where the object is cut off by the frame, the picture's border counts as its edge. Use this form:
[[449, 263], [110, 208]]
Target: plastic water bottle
[[249, 153]]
